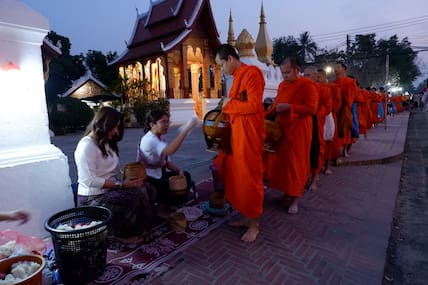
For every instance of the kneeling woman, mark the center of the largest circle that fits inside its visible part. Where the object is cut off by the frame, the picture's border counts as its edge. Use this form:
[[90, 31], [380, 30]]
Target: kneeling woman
[[99, 176], [154, 152]]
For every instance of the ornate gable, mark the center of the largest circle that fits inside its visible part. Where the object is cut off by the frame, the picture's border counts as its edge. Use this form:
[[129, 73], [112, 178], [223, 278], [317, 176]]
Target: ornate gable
[[167, 24]]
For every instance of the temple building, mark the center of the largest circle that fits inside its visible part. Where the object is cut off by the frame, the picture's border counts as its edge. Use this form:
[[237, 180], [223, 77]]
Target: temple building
[[172, 47]]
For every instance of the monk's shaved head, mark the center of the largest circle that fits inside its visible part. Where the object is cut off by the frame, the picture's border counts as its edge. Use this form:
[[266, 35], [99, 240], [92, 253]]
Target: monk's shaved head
[[311, 72]]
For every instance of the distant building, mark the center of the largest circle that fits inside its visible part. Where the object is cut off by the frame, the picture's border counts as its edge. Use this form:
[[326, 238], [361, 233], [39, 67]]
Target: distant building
[[90, 89]]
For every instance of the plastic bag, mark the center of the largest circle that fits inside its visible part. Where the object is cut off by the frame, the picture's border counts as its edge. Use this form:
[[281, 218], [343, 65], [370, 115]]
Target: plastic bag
[[22, 244], [329, 127]]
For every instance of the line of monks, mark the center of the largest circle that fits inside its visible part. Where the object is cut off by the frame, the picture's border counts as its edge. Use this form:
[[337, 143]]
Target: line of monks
[[301, 107], [300, 110]]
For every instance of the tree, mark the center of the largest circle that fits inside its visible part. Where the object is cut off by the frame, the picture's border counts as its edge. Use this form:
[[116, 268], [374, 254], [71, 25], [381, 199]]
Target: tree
[[64, 69], [307, 47], [98, 64], [364, 61], [402, 60], [284, 47]]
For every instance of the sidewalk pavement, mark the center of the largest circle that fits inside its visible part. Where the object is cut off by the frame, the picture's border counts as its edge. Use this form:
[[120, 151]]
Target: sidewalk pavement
[[384, 143], [339, 236]]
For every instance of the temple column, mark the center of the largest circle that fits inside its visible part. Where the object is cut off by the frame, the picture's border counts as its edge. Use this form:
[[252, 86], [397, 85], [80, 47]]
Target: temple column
[[184, 72], [206, 70], [177, 78], [194, 70], [172, 86]]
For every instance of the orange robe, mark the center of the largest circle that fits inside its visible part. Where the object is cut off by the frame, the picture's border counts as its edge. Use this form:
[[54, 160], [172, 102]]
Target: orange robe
[[288, 168], [374, 107], [397, 102], [332, 148], [242, 169], [349, 90], [364, 111], [325, 104]]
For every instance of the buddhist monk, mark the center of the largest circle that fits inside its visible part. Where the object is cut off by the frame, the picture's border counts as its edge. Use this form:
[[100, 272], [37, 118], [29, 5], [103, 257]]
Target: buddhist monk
[[241, 169], [324, 108], [332, 148], [382, 104], [375, 99], [364, 112], [348, 89], [297, 100]]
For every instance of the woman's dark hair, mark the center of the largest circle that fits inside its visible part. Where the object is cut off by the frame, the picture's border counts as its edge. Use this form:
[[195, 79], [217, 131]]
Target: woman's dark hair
[[153, 117], [105, 120], [225, 50]]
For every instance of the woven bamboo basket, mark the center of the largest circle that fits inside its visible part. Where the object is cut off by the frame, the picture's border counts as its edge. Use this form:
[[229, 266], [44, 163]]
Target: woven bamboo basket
[[135, 170], [178, 185]]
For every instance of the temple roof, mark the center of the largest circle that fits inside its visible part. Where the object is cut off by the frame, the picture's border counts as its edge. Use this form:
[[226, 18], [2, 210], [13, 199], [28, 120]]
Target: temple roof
[[95, 90], [49, 49], [165, 25]]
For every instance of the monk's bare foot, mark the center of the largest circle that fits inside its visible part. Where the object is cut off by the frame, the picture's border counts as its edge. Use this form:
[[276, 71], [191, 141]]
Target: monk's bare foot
[[251, 234], [239, 223], [328, 172], [294, 209], [339, 161], [314, 183], [346, 154]]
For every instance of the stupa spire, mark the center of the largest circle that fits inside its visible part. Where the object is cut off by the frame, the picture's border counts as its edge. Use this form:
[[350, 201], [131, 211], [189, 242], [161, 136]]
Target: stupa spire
[[231, 34], [263, 44]]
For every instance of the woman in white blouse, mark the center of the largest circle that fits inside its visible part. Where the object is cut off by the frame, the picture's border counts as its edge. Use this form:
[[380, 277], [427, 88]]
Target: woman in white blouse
[[154, 151], [100, 178]]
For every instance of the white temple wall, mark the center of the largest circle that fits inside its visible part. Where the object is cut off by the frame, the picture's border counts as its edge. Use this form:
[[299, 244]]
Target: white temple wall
[[33, 172]]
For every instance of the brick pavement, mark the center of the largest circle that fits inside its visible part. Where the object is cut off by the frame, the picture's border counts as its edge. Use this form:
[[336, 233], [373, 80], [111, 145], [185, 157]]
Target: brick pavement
[[340, 235]]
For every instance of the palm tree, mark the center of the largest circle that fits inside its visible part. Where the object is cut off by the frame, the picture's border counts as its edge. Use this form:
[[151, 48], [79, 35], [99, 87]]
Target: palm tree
[[308, 48]]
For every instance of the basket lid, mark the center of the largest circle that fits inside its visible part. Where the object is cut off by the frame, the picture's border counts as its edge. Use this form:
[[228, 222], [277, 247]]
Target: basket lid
[[135, 170], [177, 182]]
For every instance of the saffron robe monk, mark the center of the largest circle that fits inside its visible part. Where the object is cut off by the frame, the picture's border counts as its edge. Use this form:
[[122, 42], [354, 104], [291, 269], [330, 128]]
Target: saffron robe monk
[[364, 112], [297, 100], [332, 148], [375, 99], [348, 89], [324, 108], [241, 169]]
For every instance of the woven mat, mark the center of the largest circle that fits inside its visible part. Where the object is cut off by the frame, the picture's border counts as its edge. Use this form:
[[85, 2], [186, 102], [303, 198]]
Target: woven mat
[[141, 263]]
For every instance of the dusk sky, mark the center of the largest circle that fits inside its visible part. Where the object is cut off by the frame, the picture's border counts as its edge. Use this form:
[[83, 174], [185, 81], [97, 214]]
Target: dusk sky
[[105, 25]]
